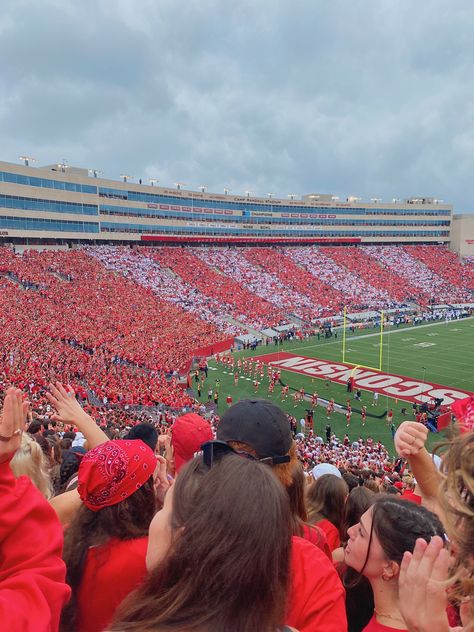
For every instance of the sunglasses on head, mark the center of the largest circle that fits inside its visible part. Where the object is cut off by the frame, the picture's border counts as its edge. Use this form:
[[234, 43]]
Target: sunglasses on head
[[213, 451]]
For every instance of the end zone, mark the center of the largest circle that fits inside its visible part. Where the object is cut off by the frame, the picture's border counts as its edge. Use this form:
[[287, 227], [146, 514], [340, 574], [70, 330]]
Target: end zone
[[390, 384]]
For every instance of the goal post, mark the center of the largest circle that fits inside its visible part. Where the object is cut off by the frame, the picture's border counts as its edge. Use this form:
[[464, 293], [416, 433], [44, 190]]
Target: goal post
[[380, 345]]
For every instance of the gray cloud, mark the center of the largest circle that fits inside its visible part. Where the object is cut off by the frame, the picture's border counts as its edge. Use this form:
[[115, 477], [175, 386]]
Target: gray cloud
[[365, 98]]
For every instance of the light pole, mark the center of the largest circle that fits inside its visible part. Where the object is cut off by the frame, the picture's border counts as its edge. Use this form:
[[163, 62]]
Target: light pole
[[152, 181], [178, 185], [292, 196], [27, 160], [203, 188], [95, 172], [125, 177], [227, 190]]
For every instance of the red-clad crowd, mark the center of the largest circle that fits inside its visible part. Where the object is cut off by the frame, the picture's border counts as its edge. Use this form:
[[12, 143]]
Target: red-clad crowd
[[432, 285], [326, 299], [64, 316], [229, 524], [243, 305], [381, 276], [447, 265]]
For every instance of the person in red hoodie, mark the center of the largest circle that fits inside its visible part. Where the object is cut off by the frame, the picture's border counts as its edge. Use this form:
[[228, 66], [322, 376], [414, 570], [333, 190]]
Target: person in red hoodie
[[32, 573]]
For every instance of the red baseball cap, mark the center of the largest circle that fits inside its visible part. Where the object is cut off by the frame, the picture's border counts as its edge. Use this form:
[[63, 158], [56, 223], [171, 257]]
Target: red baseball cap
[[188, 433]]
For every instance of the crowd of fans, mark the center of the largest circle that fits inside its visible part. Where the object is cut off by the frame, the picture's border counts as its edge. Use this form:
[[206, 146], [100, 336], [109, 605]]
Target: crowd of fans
[[446, 264], [107, 318], [382, 276], [143, 268], [229, 524], [431, 282], [119, 512], [350, 289], [234, 265], [235, 299]]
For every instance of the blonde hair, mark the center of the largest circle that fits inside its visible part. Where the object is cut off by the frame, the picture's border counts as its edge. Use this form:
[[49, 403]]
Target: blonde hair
[[30, 461], [456, 498]]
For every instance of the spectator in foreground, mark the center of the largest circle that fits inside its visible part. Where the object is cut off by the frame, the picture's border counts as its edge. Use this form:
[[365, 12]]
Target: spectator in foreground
[[326, 497], [215, 563], [359, 595], [105, 544], [258, 429], [32, 588], [425, 572], [376, 548], [29, 460]]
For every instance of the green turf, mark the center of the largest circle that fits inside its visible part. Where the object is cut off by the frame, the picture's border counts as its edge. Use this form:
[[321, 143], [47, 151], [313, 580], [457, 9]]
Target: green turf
[[449, 361]]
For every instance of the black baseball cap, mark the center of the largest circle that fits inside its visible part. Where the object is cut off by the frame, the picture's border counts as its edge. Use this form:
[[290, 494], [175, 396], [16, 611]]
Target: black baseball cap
[[260, 424]]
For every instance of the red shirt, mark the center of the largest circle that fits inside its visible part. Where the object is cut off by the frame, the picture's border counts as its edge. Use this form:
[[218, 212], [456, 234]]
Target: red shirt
[[375, 626], [32, 574], [316, 536], [111, 572], [409, 495], [332, 534], [317, 597]]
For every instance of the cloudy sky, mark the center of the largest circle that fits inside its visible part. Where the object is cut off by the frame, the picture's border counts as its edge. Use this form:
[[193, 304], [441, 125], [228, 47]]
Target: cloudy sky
[[352, 97]]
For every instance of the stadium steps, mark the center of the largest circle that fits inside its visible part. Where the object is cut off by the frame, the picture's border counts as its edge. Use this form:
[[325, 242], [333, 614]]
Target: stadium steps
[[295, 319], [243, 326], [59, 275], [23, 286]]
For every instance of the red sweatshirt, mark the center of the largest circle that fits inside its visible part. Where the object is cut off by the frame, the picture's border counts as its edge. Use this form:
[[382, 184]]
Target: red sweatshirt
[[111, 572], [317, 597], [32, 573]]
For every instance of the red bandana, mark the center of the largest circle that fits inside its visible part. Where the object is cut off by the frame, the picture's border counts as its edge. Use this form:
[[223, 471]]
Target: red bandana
[[113, 471]]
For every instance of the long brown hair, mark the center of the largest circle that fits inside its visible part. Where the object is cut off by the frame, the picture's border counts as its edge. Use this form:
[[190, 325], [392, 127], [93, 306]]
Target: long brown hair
[[326, 497], [126, 520], [228, 566]]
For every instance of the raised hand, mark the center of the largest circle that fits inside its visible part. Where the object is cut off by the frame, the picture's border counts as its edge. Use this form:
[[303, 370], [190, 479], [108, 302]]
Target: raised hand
[[68, 410], [63, 399], [160, 478], [12, 423], [410, 438], [422, 587]]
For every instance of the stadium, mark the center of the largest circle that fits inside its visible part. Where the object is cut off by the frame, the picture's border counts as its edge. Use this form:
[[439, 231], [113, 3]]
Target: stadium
[[246, 405], [191, 276]]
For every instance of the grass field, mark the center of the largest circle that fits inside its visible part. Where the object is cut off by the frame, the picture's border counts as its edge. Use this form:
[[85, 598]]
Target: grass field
[[441, 353]]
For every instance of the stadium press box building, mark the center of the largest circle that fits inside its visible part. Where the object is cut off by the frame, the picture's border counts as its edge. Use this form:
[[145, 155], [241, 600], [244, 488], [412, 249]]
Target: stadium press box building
[[58, 205]]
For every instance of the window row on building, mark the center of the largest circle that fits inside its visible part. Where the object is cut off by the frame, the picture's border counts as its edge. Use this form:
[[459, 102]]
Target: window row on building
[[21, 223], [155, 198], [123, 211], [47, 183], [183, 230], [52, 206]]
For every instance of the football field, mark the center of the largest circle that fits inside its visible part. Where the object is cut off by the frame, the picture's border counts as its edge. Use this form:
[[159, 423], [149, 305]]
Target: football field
[[418, 362]]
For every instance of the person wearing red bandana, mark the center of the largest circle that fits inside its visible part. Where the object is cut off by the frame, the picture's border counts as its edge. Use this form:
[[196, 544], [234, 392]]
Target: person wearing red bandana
[[105, 544]]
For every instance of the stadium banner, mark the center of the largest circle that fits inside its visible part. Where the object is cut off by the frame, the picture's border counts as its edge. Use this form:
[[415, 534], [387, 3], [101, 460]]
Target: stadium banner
[[217, 347], [247, 239], [390, 384]]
